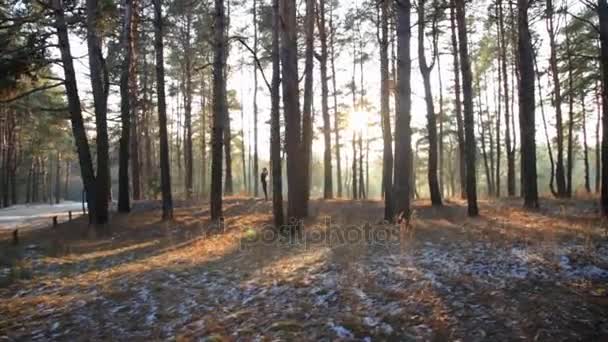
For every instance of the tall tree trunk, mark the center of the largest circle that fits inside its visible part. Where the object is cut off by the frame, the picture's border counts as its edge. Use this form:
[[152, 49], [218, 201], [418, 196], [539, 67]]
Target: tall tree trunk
[[527, 107], [127, 73], [335, 97], [243, 150], [482, 138], [134, 104], [387, 151], [188, 90], [355, 183], [508, 105], [220, 108], [559, 170], [100, 87], [307, 110], [362, 194], [469, 124], [203, 136], [585, 145], [431, 120], [255, 105], [441, 116], [598, 148], [549, 149], [58, 179], [403, 133], [570, 162], [165, 168], [602, 10], [291, 109], [68, 168], [77, 121], [275, 122], [458, 105], [327, 167]]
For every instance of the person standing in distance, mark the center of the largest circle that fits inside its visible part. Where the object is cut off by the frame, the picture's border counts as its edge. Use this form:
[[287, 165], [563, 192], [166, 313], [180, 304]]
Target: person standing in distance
[[263, 178]]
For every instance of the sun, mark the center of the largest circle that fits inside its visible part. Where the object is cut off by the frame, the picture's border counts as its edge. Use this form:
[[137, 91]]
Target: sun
[[357, 121]]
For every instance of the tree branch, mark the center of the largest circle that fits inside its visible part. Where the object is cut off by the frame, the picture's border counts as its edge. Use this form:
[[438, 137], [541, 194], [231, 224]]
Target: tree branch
[[27, 93]]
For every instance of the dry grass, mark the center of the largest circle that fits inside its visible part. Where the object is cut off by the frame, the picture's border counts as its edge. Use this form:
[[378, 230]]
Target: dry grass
[[187, 278]]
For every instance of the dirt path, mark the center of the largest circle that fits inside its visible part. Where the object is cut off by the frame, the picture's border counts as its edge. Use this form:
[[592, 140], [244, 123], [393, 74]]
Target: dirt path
[[508, 275], [36, 215]]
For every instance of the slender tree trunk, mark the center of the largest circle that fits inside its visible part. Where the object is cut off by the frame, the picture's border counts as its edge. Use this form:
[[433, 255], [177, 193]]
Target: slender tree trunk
[[387, 152], [505, 84], [327, 167], [243, 150], [68, 168], [188, 90], [77, 121], [291, 109], [570, 162], [559, 171], [482, 138], [458, 105], [549, 149], [431, 125], [469, 125], [220, 110], [354, 171], [362, 194], [598, 148], [99, 85], [335, 97], [203, 136], [58, 179], [126, 75], [134, 91], [275, 122], [527, 107], [307, 110], [403, 134], [255, 105], [440, 117], [165, 168], [602, 10], [585, 145]]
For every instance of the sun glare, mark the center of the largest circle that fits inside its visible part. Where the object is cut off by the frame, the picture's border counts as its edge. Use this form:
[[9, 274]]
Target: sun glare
[[357, 121]]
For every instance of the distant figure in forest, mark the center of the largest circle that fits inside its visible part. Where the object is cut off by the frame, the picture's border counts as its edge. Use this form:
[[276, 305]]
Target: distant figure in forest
[[263, 178]]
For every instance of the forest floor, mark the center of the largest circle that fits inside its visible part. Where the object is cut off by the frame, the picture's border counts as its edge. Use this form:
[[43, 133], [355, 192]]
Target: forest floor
[[507, 275]]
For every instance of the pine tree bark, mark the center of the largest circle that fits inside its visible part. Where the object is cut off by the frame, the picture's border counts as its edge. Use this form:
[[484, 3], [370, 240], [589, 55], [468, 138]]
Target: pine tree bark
[[355, 183], [458, 104], [306, 143], [431, 126], [100, 87], [387, 151], [134, 104], [126, 75], [188, 91], [403, 134], [527, 107], [165, 168], [571, 92], [256, 170], [220, 110], [327, 167], [291, 109], [275, 122], [602, 10], [510, 150], [469, 124], [78, 129], [559, 168], [585, 144], [335, 98]]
